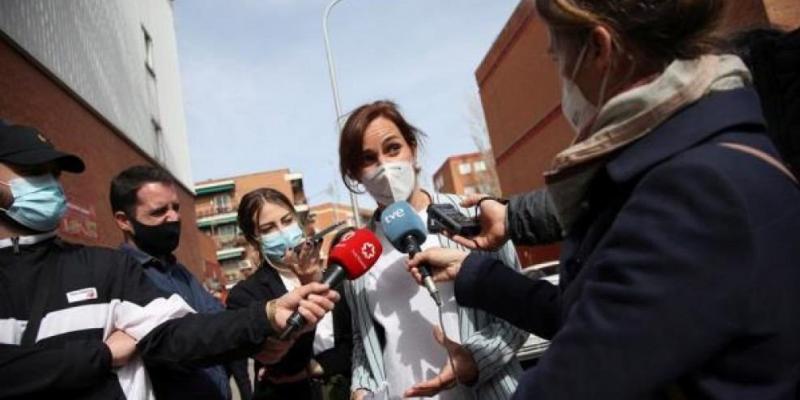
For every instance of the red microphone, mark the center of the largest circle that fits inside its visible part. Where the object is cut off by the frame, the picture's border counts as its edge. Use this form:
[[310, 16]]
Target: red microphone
[[353, 256]]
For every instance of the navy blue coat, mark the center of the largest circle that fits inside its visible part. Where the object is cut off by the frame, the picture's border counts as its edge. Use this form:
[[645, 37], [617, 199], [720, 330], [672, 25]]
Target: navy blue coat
[[682, 278]]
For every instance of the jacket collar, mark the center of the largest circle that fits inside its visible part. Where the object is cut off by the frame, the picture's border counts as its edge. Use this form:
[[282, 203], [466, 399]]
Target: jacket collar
[[26, 240], [270, 278], [698, 122], [145, 259]]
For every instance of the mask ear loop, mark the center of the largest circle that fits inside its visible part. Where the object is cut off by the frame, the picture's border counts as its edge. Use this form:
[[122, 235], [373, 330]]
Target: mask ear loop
[[579, 61], [5, 210]]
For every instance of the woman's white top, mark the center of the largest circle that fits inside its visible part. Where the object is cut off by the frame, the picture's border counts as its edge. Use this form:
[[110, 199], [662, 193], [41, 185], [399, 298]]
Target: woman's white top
[[408, 314]]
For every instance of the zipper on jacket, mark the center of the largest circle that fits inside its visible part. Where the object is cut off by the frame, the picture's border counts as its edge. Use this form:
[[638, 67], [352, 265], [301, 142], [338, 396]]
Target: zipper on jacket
[[15, 241]]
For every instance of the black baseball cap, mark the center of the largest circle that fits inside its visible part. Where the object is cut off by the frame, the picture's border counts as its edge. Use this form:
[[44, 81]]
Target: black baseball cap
[[23, 145]]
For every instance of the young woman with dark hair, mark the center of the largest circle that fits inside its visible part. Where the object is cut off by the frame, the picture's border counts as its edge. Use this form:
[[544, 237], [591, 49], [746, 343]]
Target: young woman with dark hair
[[315, 362]]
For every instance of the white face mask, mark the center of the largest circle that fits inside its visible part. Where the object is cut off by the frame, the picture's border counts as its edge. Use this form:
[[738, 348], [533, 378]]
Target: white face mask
[[577, 109], [392, 181]]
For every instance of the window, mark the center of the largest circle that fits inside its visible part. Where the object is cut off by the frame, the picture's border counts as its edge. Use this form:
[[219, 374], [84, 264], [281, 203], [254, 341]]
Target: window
[[148, 52], [159, 152], [479, 166], [222, 202], [439, 182], [226, 235], [464, 168]]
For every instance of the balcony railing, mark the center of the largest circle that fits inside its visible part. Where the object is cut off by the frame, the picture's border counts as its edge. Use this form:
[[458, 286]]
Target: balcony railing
[[216, 210]]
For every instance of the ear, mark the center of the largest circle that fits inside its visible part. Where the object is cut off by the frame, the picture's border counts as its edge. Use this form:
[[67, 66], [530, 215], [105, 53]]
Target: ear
[[602, 48], [123, 223]]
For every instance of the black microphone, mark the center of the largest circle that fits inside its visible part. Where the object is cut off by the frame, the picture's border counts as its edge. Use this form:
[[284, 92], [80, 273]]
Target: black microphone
[[354, 255]]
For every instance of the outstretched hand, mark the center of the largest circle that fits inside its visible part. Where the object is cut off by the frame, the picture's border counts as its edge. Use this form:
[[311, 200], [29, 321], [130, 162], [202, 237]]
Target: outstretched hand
[[312, 301], [465, 369], [444, 264], [492, 218]]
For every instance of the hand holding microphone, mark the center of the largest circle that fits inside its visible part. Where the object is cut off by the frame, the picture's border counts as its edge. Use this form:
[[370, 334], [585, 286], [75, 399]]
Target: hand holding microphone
[[355, 254], [443, 264], [309, 302], [492, 219]]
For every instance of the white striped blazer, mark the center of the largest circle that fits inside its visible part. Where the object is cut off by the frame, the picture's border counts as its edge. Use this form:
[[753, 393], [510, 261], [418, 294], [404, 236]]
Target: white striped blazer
[[493, 342]]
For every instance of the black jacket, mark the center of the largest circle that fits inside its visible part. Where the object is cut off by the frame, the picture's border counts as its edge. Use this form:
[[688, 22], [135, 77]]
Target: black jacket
[[94, 291], [682, 277], [264, 285]]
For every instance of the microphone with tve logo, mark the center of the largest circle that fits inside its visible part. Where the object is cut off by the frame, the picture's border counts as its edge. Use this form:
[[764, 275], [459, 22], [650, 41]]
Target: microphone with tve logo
[[405, 230], [354, 255]]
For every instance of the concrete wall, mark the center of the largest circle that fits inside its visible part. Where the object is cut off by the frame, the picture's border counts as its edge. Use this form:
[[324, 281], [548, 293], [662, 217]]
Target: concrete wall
[[96, 48]]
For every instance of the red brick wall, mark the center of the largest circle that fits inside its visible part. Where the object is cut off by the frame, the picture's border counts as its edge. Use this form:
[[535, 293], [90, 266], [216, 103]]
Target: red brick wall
[[31, 97]]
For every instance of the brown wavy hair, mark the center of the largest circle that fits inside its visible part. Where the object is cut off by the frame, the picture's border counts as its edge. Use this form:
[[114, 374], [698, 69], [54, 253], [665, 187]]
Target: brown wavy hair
[[250, 207], [351, 141], [658, 31]]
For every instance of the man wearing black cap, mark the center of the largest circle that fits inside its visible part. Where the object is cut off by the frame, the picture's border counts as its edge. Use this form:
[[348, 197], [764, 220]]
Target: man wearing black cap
[[77, 321]]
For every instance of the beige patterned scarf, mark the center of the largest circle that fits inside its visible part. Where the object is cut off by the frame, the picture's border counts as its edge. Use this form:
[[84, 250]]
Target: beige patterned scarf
[[630, 116]]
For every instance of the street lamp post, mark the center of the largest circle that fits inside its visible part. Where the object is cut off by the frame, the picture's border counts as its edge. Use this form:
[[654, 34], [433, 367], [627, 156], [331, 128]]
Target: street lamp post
[[336, 102]]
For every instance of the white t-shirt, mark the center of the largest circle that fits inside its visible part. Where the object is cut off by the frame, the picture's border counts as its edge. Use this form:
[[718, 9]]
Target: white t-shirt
[[408, 314], [323, 337]]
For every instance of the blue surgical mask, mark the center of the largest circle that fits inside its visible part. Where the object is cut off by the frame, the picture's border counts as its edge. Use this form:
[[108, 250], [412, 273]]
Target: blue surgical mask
[[275, 244], [39, 202]]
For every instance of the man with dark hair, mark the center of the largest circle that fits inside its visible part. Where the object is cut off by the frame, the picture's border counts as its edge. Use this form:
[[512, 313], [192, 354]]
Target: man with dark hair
[[145, 203], [79, 322]]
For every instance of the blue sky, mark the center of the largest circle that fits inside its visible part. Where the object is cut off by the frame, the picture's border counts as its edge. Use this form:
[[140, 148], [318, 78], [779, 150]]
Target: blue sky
[[256, 89]]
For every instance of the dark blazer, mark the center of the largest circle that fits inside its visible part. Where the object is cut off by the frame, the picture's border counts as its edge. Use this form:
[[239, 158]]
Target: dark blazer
[[683, 276], [266, 284]]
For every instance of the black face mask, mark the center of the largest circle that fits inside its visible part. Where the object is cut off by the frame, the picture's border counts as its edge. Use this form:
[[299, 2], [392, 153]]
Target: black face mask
[[157, 240]]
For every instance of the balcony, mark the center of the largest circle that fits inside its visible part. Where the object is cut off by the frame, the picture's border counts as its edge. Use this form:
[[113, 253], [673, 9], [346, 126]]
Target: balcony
[[214, 210], [215, 187], [205, 220], [229, 241], [232, 253]]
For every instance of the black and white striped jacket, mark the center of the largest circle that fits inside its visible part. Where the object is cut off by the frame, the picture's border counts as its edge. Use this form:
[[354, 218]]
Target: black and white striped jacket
[[94, 292]]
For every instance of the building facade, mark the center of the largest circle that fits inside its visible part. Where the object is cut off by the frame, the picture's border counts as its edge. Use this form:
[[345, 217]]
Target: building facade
[[216, 205], [100, 79], [326, 214], [521, 96], [465, 174]]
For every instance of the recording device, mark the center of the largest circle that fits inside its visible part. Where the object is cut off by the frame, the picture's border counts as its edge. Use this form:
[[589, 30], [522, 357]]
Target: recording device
[[405, 230], [318, 237], [446, 217], [354, 255]]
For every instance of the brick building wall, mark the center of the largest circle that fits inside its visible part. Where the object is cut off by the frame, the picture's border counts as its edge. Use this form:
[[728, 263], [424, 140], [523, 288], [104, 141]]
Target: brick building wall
[[464, 174], [327, 214], [30, 96]]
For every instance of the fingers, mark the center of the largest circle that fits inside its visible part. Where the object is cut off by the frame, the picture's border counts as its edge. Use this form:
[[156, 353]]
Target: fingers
[[470, 243], [438, 335], [472, 199], [425, 389], [424, 257], [313, 287]]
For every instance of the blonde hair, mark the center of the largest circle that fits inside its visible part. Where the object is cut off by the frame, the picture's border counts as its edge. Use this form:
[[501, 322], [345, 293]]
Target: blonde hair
[[658, 31]]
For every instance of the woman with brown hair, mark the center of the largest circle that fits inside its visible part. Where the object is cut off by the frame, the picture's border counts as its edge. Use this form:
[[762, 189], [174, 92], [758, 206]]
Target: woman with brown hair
[[314, 359], [679, 269], [394, 352]]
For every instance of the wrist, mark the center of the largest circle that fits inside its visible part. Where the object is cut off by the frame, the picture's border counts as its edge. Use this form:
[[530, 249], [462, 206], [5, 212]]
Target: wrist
[[271, 310], [314, 369]]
